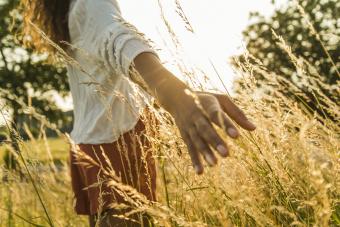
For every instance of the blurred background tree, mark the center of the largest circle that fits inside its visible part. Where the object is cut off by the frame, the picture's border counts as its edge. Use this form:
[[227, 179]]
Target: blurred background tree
[[27, 75], [319, 46]]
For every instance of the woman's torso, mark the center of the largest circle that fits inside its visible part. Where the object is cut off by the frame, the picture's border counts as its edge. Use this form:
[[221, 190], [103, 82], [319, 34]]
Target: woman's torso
[[106, 103]]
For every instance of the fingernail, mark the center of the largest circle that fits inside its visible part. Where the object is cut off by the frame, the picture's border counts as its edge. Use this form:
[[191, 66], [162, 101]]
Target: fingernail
[[198, 170], [233, 132], [251, 125], [223, 150], [211, 161]]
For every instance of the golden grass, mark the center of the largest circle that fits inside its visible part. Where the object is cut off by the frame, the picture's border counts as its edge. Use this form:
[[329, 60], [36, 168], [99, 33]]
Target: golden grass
[[37, 150], [286, 173]]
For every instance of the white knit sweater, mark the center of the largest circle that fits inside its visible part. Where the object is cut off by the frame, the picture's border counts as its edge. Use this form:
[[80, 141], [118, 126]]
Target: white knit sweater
[[106, 102]]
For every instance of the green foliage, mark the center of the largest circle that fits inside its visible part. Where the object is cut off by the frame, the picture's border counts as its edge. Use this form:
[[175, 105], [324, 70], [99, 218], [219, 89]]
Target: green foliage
[[313, 36], [3, 134], [25, 74], [9, 160]]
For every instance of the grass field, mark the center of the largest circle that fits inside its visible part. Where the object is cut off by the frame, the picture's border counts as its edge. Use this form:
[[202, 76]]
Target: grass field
[[59, 150], [19, 205], [286, 173]]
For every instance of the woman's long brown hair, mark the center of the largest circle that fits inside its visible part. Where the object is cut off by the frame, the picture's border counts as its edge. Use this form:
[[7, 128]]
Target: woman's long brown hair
[[50, 17]]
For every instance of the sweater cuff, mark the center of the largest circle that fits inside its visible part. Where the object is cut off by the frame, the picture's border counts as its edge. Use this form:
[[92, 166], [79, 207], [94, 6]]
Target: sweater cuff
[[132, 48]]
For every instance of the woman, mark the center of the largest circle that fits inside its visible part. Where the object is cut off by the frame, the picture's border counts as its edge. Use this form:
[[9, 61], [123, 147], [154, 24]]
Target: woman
[[108, 107]]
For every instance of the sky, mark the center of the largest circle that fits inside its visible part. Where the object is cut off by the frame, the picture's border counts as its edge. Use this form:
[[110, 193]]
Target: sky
[[218, 26]]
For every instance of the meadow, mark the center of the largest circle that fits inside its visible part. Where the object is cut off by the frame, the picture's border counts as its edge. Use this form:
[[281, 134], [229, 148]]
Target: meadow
[[286, 173]]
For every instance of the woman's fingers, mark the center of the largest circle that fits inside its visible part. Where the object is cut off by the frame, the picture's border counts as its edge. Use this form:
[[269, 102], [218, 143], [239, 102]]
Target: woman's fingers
[[235, 113], [194, 154], [202, 147], [212, 107], [207, 132], [221, 119], [195, 124]]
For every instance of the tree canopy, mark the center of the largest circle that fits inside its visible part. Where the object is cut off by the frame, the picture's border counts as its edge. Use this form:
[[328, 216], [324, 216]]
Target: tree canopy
[[311, 32], [25, 75]]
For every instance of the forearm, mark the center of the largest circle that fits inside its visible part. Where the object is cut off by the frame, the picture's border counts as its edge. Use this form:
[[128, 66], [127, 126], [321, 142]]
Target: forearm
[[163, 85], [194, 124]]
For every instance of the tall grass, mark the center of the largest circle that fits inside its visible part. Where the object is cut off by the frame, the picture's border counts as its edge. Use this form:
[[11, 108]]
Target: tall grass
[[286, 173]]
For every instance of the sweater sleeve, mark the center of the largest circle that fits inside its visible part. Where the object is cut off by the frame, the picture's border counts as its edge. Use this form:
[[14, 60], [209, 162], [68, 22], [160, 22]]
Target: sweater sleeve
[[110, 38]]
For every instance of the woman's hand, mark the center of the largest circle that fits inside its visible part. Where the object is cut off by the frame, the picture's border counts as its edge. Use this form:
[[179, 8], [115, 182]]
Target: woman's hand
[[224, 109], [194, 113]]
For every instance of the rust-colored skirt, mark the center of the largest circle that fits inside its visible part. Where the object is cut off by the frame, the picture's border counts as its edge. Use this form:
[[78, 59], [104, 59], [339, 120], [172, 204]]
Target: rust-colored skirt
[[131, 159]]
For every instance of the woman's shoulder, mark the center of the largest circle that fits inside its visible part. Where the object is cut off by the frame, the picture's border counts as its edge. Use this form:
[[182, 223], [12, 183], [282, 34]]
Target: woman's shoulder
[[85, 8], [76, 7]]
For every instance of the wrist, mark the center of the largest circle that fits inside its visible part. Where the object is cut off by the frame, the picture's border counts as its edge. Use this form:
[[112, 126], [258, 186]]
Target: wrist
[[171, 91]]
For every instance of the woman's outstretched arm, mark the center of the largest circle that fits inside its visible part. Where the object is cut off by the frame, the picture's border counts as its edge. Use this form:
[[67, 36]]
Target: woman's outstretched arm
[[194, 119], [114, 42]]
